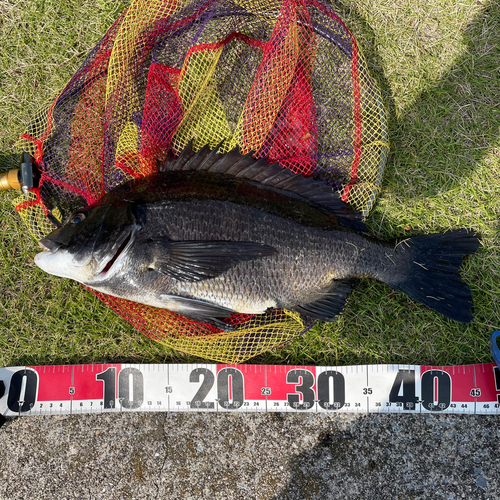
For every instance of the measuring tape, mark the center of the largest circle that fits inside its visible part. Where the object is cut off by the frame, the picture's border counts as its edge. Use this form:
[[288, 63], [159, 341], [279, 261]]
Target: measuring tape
[[110, 388]]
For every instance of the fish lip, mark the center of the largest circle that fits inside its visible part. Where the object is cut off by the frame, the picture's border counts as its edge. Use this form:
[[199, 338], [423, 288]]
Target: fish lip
[[118, 256], [49, 245]]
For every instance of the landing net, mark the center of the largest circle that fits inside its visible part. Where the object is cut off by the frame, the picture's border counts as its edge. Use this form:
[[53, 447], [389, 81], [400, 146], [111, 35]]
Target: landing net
[[285, 79]]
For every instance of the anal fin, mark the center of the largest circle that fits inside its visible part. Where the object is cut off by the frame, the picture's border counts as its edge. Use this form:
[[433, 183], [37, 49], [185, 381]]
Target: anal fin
[[330, 304]]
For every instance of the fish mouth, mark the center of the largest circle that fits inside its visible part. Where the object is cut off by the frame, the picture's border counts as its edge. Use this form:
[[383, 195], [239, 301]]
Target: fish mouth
[[109, 267], [49, 245]]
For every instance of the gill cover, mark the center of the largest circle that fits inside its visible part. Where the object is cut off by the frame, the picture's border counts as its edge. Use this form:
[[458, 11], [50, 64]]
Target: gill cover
[[89, 238]]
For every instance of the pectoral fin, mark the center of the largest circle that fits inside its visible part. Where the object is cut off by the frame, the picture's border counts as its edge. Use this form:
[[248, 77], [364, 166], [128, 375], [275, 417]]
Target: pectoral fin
[[198, 310], [200, 260]]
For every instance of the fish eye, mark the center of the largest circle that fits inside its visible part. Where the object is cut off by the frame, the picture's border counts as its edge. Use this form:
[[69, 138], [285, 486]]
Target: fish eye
[[78, 217]]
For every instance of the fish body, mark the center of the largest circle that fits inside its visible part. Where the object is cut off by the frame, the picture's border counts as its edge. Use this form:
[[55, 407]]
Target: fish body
[[212, 235]]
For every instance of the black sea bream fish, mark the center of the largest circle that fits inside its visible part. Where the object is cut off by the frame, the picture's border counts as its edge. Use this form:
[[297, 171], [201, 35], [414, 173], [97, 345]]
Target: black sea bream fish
[[214, 234]]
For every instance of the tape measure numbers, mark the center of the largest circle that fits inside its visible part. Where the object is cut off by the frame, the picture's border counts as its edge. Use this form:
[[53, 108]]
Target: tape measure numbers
[[73, 389]]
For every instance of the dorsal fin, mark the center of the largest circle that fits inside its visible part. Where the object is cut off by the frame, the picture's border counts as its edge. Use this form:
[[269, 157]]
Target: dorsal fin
[[259, 171]]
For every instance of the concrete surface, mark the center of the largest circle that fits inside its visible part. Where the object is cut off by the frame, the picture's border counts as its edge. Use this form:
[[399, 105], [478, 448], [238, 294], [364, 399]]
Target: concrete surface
[[259, 456]]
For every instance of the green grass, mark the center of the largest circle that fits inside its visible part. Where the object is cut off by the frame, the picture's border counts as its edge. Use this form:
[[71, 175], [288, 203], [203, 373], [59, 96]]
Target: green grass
[[437, 64]]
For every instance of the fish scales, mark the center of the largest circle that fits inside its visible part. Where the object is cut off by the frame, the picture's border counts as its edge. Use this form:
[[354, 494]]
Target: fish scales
[[306, 262]]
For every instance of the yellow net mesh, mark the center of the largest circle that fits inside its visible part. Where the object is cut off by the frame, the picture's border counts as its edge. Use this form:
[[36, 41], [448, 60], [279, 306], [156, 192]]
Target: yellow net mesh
[[284, 79]]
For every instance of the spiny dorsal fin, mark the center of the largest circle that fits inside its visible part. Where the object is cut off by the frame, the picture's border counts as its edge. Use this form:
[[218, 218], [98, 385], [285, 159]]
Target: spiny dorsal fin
[[259, 171], [186, 154]]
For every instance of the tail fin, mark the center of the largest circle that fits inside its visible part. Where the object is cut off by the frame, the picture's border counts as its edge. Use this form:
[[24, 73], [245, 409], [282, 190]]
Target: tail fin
[[433, 276]]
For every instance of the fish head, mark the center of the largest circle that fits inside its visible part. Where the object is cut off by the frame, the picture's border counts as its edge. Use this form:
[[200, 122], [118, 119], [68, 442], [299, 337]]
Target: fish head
[[90, 245]]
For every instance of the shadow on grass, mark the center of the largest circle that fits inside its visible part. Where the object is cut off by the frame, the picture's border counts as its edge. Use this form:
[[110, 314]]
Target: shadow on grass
[[442, 137], [458, 118]]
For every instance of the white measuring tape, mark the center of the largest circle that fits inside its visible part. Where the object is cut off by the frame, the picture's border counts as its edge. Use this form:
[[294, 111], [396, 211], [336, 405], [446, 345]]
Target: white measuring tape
[[73, 389]]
